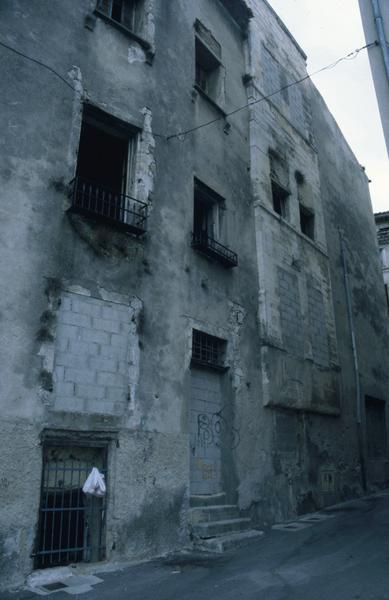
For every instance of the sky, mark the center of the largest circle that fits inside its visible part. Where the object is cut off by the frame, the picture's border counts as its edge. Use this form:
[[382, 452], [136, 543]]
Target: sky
[[327, 30]]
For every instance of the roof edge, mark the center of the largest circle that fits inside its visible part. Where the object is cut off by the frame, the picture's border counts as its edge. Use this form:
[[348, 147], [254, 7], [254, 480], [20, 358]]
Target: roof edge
[[286, 30]]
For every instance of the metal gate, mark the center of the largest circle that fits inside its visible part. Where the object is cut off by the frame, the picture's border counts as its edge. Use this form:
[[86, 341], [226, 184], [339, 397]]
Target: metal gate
[[71, 524]]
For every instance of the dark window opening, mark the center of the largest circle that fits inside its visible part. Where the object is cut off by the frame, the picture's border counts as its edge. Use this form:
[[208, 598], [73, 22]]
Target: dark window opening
[[71, 524], [376, 434], [105, 173], [207, 205], [307, 222], [208, 350], [117, 10], [208, 216], [387, 295], [126, 12], [280, 198], [102, 157], [207, 70]]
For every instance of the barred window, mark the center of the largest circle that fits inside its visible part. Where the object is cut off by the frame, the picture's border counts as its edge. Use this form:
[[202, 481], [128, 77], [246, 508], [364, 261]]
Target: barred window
[[208, 350]]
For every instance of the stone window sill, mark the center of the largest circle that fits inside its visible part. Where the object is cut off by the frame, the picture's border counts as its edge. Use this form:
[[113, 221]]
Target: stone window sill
[[210, 100], [141, 41]]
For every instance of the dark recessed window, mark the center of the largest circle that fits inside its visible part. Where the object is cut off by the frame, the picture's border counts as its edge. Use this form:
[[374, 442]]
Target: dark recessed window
[[376, 434], [208, 63], [208, 350], [207, 70], [280, 199], [126, 12], [307, 222], [208, 225], [104, 183]]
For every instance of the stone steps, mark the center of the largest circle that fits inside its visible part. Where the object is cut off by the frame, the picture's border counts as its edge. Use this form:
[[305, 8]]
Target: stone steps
[[218, 527], [229, 542], [210, 500], [213, 513]]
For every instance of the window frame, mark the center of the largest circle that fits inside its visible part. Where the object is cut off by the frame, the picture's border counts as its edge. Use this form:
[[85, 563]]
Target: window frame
[[206, 240], [132, 33], [209, 65], [94, 197], [284, 208], [205, 345], [307, 213]]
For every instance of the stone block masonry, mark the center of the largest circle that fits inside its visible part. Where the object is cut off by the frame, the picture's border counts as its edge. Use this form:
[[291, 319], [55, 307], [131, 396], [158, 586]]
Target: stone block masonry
[[290, 312], [92, 350], [317, 324]]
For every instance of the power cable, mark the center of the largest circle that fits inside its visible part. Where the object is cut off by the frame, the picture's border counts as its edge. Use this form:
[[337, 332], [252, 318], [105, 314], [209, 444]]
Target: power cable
[[38, 62], [45, 66], [350, 56]]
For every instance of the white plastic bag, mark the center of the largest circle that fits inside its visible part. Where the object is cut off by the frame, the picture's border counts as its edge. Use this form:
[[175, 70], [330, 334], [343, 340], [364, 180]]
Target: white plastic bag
[[95, 484]]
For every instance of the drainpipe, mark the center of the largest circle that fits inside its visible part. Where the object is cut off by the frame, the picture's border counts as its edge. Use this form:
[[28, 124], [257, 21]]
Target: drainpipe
[[355, 360], [381, 34]]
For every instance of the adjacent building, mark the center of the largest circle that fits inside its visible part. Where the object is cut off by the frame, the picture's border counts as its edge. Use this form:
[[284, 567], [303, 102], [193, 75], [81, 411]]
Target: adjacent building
[[382, 224], [191, 298]]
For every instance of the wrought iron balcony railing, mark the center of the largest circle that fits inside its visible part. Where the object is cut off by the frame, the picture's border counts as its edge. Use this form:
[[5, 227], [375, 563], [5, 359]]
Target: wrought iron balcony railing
[[99, 202], [202, 242]]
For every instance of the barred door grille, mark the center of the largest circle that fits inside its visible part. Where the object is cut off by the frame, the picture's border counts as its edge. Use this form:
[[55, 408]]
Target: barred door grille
[[71, 523]]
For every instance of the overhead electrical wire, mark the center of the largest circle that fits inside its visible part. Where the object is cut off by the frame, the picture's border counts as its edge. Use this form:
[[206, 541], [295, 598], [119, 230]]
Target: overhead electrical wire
[[350, 56], [182, 134], [40, 63]]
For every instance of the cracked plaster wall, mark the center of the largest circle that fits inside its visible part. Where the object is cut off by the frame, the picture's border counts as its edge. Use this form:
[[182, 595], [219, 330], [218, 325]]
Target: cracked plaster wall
[[283, 455], [42, 244]]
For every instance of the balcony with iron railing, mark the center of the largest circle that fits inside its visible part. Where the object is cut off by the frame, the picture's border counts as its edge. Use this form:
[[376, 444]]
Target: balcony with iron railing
[[203, 243], [119, 210]]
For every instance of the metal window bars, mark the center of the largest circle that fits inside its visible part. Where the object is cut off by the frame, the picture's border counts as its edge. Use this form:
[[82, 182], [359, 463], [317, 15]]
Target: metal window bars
[[205, 244], [120, 210], [208, 350], [71, 523]]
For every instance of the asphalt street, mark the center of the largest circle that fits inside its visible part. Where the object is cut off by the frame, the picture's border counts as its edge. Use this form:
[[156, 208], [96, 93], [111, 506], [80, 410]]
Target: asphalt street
[[338, 554]]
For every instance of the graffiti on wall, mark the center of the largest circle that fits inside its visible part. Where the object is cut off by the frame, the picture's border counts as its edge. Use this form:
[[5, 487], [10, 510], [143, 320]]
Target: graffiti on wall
[[213, 429]]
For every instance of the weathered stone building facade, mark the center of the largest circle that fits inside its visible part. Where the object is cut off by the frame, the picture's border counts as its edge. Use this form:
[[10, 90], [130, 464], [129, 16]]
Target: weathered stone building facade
[[382, 225], [176, 283]]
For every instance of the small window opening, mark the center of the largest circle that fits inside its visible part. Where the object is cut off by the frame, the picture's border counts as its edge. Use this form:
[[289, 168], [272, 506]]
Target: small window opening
[[103, 154], [105, 173], [71, 524], [387, 296], [126, 12], [280, 198], [207, 70], [208, 350], [207, 211], [208, 225], [307, 222], [376, 433]]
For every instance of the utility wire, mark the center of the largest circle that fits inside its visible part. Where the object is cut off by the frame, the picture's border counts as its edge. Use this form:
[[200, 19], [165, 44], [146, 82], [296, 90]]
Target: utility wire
[[38, 62], [45, 66], [350, 56]]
